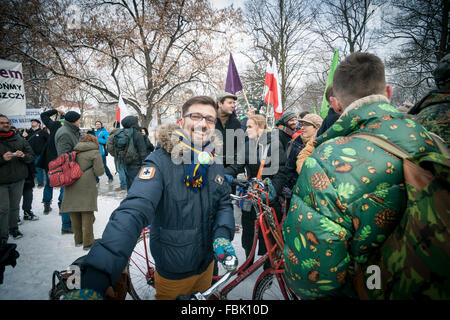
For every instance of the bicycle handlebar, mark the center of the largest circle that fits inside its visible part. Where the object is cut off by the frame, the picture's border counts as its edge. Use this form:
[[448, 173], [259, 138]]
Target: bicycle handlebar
[[230, 264]]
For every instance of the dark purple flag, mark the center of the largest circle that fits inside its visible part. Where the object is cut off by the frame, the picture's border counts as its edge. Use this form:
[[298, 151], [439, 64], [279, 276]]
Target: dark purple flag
[[233, 83]]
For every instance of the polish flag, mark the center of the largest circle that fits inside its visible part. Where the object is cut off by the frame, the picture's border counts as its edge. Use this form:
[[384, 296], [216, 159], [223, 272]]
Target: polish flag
[[272, 89], [122, 110]]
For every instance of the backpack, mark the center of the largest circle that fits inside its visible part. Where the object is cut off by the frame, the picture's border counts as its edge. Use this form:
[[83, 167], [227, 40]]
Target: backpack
[[64, 170], [414, 259], [123, 146]]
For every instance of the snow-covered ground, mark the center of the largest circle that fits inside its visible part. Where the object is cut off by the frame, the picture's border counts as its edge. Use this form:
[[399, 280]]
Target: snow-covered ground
[[43, 249]]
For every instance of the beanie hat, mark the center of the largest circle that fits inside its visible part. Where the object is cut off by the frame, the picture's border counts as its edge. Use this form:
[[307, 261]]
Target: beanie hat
[[285, 117], [72, 116]]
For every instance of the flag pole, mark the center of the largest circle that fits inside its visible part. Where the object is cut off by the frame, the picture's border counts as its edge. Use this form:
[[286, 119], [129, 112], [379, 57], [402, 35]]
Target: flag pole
[[245, 97]]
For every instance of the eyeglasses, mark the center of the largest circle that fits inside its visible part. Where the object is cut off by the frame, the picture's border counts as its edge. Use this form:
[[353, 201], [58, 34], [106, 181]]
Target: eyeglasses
[[197, 117], [2, 122]]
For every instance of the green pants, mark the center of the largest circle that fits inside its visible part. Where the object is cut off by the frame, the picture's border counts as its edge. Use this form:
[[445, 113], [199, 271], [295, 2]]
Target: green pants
[[83, 227]]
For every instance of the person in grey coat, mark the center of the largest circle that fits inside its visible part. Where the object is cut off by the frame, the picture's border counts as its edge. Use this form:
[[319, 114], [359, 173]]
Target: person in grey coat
[[66, 139]]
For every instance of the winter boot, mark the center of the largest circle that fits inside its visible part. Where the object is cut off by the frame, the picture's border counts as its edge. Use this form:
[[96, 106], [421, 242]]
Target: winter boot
[[16, 234], [29, 215], [47, 208]]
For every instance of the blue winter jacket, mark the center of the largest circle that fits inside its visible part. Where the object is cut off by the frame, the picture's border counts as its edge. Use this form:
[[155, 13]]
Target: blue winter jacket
[[184, 222], [102, 136]]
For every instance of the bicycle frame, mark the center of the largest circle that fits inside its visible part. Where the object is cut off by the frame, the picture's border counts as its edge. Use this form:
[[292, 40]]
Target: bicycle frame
[[267, 223], [274, 251], [149, 273]]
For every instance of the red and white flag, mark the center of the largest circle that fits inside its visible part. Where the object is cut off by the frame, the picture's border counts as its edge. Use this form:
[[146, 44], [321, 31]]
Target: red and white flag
[[122, 110], [272, 90]]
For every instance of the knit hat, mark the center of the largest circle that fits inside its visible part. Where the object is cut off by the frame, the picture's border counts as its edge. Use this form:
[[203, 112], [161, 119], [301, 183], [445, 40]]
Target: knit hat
[[36, 120], [313, 119], [442, 72], [285, 117], [72, 116]]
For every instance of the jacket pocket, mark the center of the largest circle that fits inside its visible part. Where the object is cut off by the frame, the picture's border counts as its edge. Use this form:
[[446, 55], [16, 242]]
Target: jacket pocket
[[180, 250]]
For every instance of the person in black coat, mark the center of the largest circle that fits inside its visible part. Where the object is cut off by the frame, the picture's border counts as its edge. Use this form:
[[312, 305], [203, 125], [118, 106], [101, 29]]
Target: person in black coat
[[227, 122], [37, 138], [148, 144], [259, 140], [49, 154], [132, 169], [332, 116]]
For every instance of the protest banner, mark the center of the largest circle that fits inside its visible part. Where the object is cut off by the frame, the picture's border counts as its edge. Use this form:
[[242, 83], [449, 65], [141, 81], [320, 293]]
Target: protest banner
[[12, 90], [24, 121]]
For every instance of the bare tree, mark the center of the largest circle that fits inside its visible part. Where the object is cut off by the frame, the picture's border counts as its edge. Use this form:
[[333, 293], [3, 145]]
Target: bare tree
[[281, 29], [344, 25], [145, 50], [421, 27]]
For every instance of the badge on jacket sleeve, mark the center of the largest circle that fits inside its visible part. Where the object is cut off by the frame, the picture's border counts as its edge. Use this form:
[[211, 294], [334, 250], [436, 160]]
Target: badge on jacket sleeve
[[147, 173], [219, 179]]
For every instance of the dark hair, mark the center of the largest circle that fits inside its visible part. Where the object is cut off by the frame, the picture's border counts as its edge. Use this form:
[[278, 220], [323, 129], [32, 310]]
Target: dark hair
[[99, 121], [205, 100], [3, 116], [145, 129], [304, 113], [361, 74], [329, 92]]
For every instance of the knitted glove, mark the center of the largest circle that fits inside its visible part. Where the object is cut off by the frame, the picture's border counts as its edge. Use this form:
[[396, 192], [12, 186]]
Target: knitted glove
[[270, 189], [83, 294], [222, 248]]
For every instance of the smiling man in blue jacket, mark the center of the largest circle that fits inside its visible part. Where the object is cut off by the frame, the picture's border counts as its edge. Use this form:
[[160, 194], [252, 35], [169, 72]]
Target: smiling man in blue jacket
[[181, 192], [102, 136]]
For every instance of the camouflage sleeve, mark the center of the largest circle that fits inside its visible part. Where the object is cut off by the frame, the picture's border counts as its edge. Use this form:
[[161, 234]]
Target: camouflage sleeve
[[316, 241]]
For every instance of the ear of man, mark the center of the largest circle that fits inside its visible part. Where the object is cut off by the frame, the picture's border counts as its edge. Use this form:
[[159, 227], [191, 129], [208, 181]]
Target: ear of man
[[336, 105]]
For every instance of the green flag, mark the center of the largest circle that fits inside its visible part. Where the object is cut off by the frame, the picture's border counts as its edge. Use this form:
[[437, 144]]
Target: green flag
[[334, 64]]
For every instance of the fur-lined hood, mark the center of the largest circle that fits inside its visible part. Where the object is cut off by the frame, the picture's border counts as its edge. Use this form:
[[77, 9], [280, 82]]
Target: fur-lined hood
[[168, 141]]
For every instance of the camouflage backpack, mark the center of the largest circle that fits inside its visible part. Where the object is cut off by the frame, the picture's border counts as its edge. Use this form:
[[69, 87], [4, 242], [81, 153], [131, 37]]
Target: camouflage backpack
[[414, 259]]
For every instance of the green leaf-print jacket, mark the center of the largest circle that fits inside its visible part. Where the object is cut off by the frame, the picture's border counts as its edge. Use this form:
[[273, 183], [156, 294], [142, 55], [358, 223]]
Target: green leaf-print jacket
[[348, 199]]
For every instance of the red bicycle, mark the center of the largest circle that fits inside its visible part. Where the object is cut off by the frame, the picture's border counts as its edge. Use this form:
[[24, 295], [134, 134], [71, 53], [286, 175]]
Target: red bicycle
[[270, 285]]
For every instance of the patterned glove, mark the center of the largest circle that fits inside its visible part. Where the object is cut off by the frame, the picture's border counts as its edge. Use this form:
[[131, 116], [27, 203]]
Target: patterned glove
[[270, 189], [222, 248], [83, 294], [228, 178]]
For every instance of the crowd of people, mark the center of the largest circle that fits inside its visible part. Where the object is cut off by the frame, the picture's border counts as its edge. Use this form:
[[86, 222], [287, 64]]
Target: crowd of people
[[59, 134], [346, 194]]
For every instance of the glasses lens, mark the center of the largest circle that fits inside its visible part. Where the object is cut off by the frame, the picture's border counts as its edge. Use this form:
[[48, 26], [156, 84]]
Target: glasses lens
[[210, 120], [196, 116]]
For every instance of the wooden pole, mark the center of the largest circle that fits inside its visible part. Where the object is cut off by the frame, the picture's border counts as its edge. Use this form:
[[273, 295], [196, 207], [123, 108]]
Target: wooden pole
[[245, 97]]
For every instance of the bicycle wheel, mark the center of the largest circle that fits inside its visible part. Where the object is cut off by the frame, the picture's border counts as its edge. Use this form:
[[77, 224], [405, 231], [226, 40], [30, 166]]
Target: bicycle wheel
[[268, 289], [141, 271]]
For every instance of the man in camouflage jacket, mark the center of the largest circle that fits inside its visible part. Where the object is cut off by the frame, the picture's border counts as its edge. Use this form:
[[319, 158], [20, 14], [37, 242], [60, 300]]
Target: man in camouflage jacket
[[350, 194], [433, 111]]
